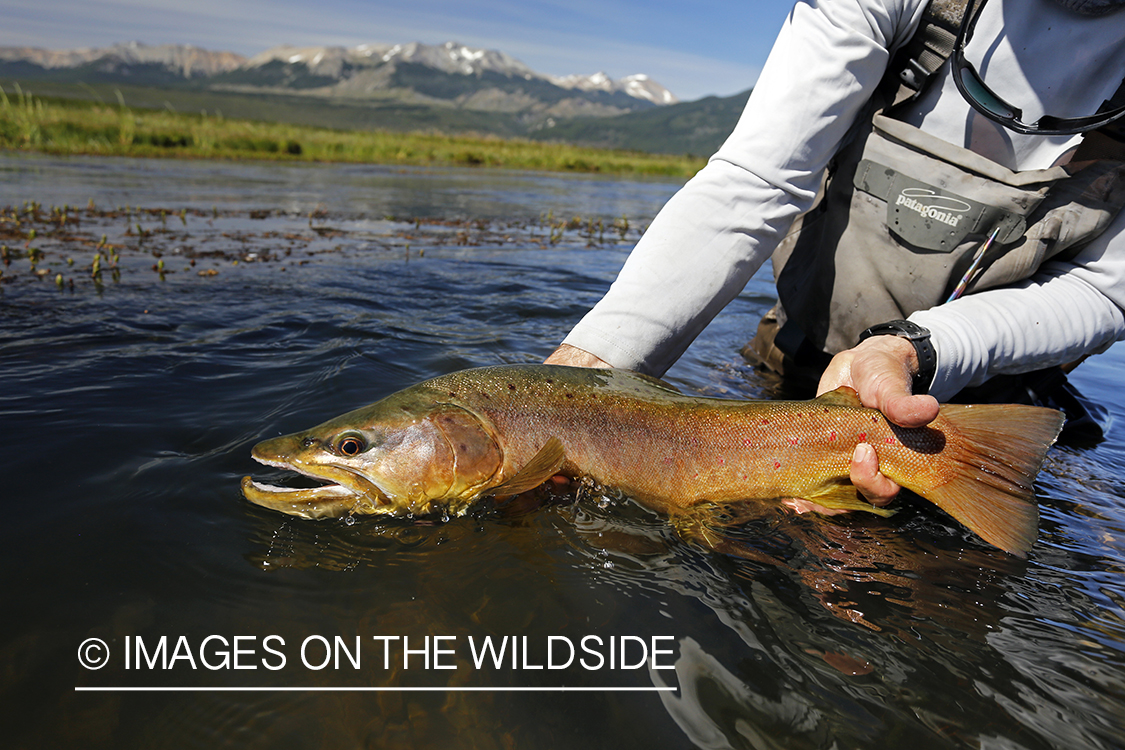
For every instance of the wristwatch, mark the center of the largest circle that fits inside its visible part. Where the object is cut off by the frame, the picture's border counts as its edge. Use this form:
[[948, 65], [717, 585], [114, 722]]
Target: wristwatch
[[919, 337]]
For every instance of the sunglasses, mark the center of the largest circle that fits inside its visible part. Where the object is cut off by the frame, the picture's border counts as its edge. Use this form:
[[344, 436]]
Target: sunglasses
[[988, 103]]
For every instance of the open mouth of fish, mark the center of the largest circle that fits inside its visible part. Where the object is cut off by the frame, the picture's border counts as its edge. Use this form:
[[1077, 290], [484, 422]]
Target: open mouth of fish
[[343, 493]]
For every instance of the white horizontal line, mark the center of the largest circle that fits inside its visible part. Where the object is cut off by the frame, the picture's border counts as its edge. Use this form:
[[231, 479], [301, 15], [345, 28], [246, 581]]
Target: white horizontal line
[[333, 689]]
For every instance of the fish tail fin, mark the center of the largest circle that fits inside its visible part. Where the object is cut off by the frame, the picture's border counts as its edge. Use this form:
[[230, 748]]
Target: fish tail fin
[[991, 465]]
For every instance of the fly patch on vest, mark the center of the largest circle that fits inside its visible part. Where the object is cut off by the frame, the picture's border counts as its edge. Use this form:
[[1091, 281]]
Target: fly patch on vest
[[929, 217]]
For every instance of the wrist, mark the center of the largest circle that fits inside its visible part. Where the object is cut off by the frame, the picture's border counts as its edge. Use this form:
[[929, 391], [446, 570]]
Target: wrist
[[924, 361], [566, 354]]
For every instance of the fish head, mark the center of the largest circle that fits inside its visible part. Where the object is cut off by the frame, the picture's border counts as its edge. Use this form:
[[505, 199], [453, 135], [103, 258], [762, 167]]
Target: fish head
[[405, 455]]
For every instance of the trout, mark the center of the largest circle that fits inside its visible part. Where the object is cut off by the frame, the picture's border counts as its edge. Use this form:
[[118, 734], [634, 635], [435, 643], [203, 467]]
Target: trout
[[441, 445]]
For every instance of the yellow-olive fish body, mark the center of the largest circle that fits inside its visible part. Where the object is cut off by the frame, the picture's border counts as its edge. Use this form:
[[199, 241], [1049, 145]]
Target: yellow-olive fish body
[[442, 444]]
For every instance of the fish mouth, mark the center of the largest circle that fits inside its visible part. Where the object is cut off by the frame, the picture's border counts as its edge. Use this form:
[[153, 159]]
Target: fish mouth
[[344, 492]]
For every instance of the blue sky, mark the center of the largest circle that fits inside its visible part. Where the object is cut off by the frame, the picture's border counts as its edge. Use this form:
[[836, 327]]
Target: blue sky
[[694, 47]]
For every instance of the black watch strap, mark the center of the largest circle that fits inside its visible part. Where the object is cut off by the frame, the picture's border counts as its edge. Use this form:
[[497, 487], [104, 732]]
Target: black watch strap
[[923, 348]]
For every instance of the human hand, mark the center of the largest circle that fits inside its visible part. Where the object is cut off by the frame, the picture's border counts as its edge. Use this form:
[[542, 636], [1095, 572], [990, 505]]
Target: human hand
[[880, 369], [575, 357]]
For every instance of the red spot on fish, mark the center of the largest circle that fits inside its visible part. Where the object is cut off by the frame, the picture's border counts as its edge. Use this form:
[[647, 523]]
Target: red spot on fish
[[765, 421], [792, 441], [862, 436], [875, 419], [777, 464], [722, 461], [889, 441], [832, 436]]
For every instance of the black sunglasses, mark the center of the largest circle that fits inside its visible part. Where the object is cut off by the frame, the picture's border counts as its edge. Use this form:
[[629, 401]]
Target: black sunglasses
[[985, 100]]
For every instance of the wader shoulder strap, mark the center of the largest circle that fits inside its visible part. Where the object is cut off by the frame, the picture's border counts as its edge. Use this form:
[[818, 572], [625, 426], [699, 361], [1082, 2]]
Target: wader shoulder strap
[[932, 44]]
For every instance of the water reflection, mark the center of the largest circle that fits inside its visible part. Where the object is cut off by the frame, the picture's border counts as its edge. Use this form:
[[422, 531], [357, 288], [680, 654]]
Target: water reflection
[[355, 190], [792, 664]]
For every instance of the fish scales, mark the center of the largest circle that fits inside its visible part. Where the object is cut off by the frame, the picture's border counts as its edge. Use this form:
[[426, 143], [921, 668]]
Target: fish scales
[[446, 442], [702, 449]]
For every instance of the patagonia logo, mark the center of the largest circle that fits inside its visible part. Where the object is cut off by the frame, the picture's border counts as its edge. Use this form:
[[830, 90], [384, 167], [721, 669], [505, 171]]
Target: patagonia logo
[[929, 218], [928, 203]]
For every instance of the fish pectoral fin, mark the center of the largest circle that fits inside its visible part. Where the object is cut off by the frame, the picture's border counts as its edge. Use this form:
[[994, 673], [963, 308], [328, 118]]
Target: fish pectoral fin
[[844, 496], [542, 466], [842, 396]]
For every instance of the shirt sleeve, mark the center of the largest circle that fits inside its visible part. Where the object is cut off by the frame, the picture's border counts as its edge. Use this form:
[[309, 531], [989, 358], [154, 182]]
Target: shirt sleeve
[[1067, 310], [710, 238]]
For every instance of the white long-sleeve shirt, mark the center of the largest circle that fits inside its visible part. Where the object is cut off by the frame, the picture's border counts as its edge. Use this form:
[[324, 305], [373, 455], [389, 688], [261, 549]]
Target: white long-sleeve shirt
[[713, 235]]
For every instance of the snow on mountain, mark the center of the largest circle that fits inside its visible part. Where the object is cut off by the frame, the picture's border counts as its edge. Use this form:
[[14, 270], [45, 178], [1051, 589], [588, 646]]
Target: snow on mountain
[[321, 61], [639, 86], [456, 58], [452, 57], [350, 70], [448, 58]]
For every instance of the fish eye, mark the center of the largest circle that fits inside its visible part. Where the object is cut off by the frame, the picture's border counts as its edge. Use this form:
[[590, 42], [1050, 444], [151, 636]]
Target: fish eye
[[351, 446]]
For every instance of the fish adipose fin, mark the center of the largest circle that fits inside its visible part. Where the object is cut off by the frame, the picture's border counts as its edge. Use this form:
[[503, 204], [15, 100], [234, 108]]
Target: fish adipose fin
[[542, 466], [990, 488]]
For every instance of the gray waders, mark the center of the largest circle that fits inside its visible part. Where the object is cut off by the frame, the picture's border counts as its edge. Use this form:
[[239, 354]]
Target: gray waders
[[902, 218]]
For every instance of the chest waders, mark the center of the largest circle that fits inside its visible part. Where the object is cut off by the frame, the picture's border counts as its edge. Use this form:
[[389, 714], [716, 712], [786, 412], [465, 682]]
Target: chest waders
[[904, 215]]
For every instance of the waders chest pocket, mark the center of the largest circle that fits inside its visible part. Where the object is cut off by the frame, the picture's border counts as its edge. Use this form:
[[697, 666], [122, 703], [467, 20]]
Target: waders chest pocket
[[930, 218]]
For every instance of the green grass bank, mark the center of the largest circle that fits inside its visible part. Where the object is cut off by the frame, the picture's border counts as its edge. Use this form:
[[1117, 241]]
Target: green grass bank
[[67, 126]]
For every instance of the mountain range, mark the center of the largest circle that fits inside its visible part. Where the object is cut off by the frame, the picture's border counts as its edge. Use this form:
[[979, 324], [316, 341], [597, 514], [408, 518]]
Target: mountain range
[[449, 74], [448, 87]]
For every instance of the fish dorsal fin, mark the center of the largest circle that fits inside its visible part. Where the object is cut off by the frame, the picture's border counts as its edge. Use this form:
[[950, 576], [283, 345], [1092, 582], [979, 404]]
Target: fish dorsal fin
[[842, 396], [542, 466]]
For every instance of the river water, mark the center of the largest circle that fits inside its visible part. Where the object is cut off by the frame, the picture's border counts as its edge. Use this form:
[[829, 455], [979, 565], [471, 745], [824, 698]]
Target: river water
[[233, 302]]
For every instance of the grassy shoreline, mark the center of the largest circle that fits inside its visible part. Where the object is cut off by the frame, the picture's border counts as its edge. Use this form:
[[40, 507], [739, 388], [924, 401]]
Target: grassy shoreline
[[68, 126]]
